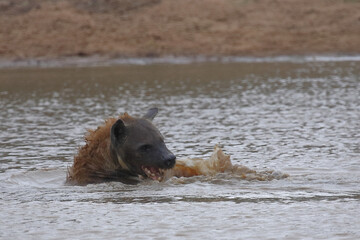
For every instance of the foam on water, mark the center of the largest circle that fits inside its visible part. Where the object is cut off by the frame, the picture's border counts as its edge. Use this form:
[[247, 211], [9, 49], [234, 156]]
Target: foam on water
[[96, 61]]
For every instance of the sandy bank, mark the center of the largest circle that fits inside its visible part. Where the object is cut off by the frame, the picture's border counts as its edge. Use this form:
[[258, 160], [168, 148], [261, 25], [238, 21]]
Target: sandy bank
[[156, 28]]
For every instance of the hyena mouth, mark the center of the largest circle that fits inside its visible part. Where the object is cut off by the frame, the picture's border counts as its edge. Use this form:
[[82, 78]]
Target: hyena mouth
[[154, 173]]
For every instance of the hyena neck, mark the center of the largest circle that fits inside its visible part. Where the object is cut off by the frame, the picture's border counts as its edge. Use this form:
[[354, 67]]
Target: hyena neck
[[118, 159], [122, 163]]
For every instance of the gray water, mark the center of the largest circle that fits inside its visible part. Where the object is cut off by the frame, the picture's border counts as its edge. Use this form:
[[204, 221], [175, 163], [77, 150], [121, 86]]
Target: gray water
[[300, 118]]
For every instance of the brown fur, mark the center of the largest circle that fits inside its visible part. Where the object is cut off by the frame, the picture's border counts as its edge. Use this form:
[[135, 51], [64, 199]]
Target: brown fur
[[94, 162]]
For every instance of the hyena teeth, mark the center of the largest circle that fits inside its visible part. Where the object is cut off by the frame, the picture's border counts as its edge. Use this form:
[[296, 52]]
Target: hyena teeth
[[155, 174]]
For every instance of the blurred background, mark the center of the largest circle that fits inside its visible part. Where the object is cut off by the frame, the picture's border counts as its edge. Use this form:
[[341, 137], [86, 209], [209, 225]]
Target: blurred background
[[155, 28]]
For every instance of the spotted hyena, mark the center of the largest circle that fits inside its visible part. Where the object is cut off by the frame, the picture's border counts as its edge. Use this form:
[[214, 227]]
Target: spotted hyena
[[125, 149]]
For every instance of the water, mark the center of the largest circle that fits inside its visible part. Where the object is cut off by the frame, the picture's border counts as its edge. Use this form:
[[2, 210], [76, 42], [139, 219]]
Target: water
[[300, 118]]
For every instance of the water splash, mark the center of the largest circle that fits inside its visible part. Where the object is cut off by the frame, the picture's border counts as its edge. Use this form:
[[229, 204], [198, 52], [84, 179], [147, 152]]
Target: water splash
[[219, 162]]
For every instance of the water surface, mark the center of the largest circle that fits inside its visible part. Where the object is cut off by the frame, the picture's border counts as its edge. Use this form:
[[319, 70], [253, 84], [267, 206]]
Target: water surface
[[301, 118]]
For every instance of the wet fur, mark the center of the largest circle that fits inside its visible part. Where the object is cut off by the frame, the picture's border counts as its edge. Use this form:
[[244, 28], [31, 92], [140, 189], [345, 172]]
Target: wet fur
[[95, 163]]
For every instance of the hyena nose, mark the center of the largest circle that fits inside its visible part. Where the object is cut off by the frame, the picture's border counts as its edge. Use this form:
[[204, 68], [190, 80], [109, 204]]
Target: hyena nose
[[170, 161]]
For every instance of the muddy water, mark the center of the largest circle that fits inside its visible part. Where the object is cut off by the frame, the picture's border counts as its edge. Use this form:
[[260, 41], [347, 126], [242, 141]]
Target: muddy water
[[300, 118]]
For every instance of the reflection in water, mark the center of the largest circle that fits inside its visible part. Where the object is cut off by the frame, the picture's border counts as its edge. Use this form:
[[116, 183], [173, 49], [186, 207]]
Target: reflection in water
[[299, 118]]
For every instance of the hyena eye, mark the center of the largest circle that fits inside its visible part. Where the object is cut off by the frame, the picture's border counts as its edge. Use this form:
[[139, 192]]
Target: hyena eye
[[145, 148]]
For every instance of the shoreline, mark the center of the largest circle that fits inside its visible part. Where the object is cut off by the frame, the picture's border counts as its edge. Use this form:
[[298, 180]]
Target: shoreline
[[66, 32], [104, 61]]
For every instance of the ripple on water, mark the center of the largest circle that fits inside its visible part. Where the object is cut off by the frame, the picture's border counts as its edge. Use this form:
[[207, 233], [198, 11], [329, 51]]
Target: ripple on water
[[300, 118]]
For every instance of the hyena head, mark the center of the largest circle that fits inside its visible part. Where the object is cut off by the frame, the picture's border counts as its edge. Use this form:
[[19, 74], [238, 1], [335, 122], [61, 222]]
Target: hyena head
[[140, 147]]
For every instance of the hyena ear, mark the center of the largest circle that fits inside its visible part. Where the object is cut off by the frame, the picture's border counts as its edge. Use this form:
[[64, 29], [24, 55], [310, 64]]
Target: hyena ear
[[118, 133], [151, 113]]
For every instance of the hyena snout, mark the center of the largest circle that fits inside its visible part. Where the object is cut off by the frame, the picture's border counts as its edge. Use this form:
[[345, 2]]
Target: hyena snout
[[169, 161]]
